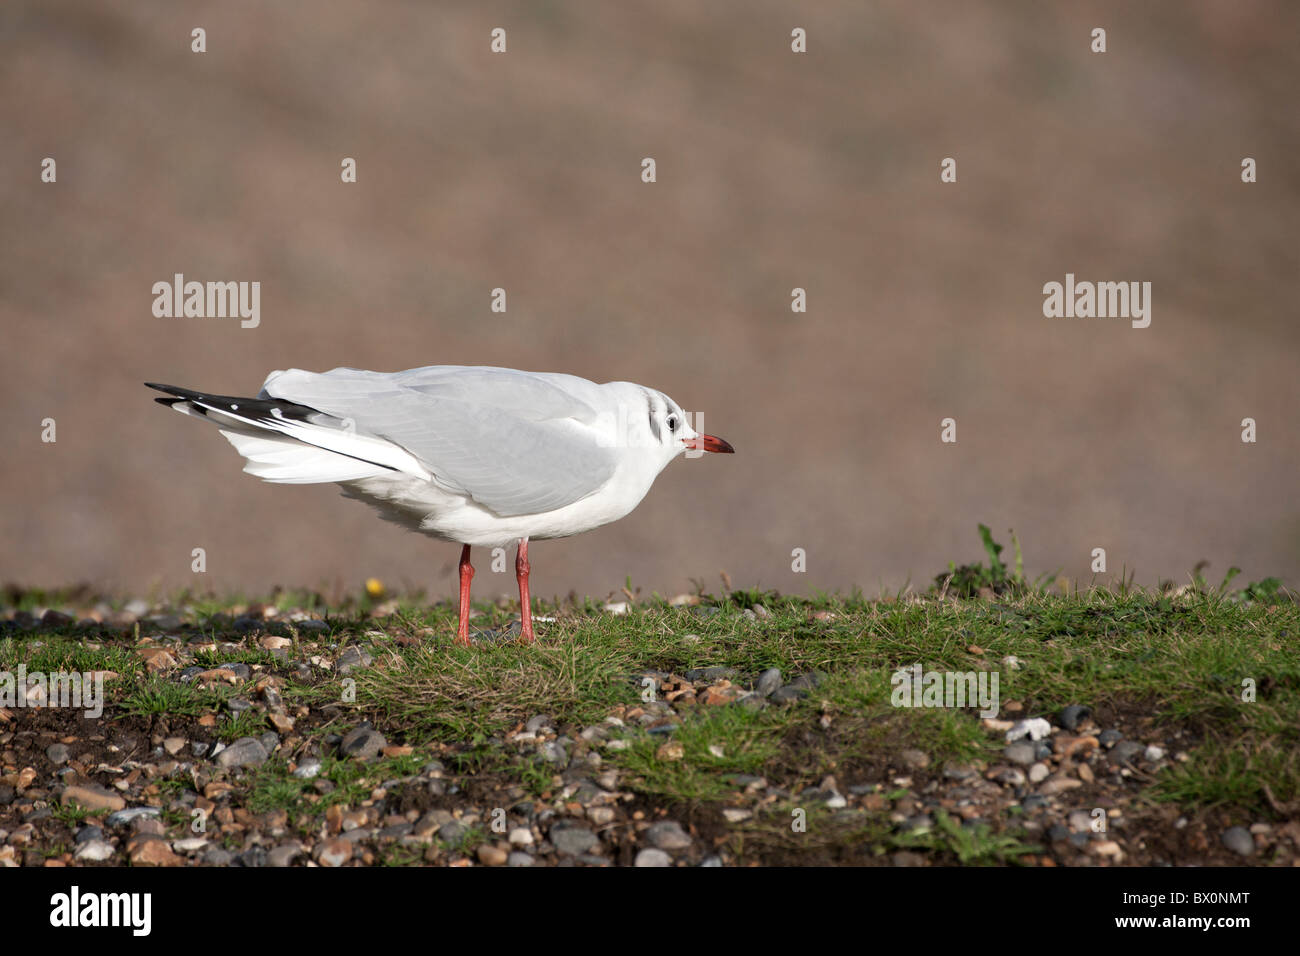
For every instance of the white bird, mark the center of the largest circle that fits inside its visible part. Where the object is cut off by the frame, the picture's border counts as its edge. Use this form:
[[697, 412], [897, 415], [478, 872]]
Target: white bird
[[476, 455]]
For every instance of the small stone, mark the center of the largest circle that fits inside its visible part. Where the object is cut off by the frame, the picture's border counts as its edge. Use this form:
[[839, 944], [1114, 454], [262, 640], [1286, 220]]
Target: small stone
[[94, 851], [1239, 841], [150, 850], [1109, 849], [653, 857], [363, 743], [284, 855], [1035, 729], [1124, 752], [1022, 752], [123, 817], [491, 855], [353, 658], [1072, 715], [539, 723], [553, 752], [453, 834], [672, 750], [768, 682], [1080, 821], [1068, 746], [668, 835], [915, 759], [572, 840], [334, 852], [1008, 776], [244, 752], [1058, 784], [92, 797]]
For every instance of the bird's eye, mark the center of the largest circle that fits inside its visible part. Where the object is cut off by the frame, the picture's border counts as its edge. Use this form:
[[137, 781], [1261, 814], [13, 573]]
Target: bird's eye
[[672, 423]]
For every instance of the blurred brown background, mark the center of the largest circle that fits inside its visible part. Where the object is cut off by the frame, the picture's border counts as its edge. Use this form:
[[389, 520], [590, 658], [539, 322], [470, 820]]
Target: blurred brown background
[[775, 170]]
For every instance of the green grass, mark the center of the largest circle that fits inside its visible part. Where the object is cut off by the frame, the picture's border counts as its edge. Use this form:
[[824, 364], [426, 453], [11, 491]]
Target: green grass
[[1216, 666]]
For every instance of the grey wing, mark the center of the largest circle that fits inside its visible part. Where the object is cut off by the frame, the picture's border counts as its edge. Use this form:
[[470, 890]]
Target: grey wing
[[515, 442]]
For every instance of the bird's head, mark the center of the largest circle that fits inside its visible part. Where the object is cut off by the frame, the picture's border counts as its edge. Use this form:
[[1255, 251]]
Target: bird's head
[[658, 424]]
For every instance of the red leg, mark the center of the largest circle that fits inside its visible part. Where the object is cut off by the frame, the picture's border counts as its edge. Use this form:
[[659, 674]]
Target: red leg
[[466, 575], [525, 603]]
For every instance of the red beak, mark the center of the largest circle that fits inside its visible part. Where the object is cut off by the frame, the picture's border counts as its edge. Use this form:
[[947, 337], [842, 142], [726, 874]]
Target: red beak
[[709, 443]]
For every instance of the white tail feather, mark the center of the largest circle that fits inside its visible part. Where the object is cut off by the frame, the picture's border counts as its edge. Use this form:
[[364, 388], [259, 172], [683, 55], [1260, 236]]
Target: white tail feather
[[287, 461]]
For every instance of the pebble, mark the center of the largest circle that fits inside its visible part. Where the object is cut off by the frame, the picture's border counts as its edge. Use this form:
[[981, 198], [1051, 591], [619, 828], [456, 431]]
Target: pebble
[[1124, 751], [334, 852], [1008, 776], [1080, 820], [1058, 784], [539, 723], [553, 752], [1239, 841], [490, 854], [1072, 715], [453, 833], [353, 658], [768, 682], [1035, 729], [363, 743], [284, 855], [244, 752], [573, 840], [1022, 752], [915, 759], [653, 857], [150, 850], [668, 835], [123, 817], [92, 797], [94, 851]]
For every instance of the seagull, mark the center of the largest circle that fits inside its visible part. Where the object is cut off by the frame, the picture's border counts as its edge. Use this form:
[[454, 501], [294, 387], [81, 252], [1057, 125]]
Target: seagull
[[477, 455]]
